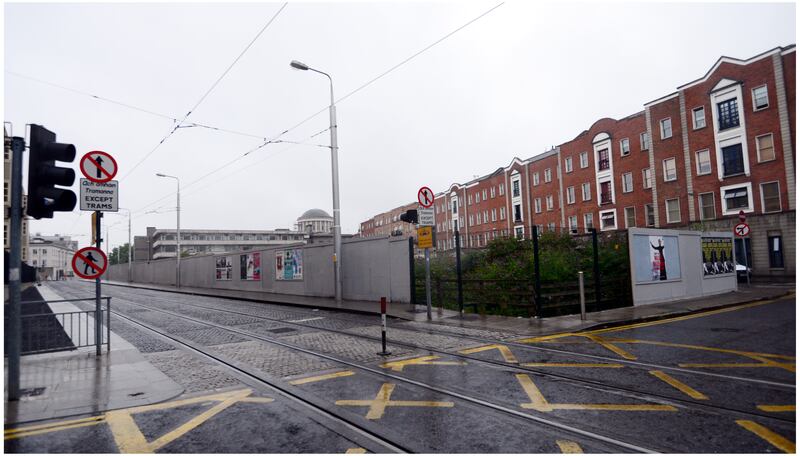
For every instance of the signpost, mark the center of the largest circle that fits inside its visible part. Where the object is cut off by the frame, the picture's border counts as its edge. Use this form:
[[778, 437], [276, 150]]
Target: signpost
[[98, 167], [99, 197], [425, 237], [426, 217], [425, 197], [89, 263], [743, 230]]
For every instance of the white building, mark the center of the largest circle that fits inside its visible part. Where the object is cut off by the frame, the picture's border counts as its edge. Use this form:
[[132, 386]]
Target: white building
[[316, 221], [51, 256]]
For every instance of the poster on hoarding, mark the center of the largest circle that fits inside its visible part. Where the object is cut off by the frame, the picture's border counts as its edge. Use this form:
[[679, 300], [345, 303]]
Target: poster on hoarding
[[717, 256], [224, 268], [250, 266], [656, 258], [289, 264]]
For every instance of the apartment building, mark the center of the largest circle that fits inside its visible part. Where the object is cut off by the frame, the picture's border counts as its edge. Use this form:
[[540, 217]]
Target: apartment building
[[52, 256], [717, 146]]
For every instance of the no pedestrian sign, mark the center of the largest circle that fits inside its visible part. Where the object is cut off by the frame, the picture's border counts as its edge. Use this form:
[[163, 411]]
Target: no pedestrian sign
[[99, 196], [98, 166], [89, 262]]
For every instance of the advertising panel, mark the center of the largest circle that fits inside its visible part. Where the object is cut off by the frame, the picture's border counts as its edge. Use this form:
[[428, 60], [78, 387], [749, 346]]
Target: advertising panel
[[717, 256], [289, 264], [224, 268], [656, 258], [250, 266]]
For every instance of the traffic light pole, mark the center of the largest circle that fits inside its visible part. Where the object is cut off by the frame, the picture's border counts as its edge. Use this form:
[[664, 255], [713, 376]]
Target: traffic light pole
[[14, 270], [428, 281], [98, 316]]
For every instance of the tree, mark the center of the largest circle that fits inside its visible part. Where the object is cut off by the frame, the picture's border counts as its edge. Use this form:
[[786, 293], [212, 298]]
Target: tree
[[119, 255]]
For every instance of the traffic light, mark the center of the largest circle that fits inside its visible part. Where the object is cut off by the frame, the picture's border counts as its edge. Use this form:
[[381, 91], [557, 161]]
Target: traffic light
[[410, 216], [43, 176]]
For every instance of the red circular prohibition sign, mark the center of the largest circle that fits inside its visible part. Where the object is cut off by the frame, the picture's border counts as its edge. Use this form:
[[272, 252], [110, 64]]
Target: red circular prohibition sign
[[83, 255], [90, 158], [422, 197]]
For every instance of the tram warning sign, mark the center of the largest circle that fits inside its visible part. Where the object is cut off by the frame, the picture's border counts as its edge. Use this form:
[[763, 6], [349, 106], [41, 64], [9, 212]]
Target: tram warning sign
[[98, 166], [89, 262], [741, 229], [102, 196], [425, 197]]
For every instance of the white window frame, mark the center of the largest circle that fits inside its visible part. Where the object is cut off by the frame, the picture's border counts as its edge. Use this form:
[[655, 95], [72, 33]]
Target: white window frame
[[536, 178], [573, 223], [749, 208], [664, 168], [758, 148], [548, 175], [697, 162], [753, 96], [502, 213], [486, 216], [663, 130], [502, 189], [644, 141], [568, 165], [471, 220], [584, 159], [713, 205], [627, 188], [625, 214], [666, 208], [624, 147], [780, 200], [586, 195], [549, 201], [652, 209], [695, 125], [645, 179], [477, 197], [469, 200], [600, 219], [494, 214], [483, 195], [537, 205], [590, 217], [492, 192], [571, 195]]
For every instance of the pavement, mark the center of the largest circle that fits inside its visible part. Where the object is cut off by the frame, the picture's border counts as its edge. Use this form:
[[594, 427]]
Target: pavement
[[76, 382], [529, 326]]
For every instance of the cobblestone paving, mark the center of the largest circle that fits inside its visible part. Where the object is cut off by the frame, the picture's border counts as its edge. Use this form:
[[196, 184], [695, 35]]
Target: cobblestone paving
[[268, 329], [193, 373], [336, 323], [417, 338], [276, 361], [347, 347], [144, 342], [460, 330], [211, 336]]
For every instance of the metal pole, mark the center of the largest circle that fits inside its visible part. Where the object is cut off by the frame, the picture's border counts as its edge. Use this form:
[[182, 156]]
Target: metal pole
[[746, 266], [596, 269], [537, 278], [383, 328], [428, 281], [130, 249], [459, 280], [412, 272], [583, 297], [337, 224], [98, 316], [178, 270], [14, 270]]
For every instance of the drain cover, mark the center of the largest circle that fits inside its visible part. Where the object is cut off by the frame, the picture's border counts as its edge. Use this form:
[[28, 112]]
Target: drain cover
[[281, 330]]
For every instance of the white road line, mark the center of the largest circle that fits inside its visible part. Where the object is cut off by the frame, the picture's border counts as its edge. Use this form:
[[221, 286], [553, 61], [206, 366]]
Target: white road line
[[305, 319]]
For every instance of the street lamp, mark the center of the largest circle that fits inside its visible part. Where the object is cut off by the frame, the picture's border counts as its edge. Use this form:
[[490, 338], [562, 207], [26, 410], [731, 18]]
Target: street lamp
[[337, 227], [130, 245], [178, 252]]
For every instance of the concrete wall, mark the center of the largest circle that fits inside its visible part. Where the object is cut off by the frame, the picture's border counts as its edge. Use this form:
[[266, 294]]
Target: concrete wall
[[691, 283], [371, 268]]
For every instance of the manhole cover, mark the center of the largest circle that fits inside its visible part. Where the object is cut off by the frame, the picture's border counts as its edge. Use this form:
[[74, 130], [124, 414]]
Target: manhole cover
[[32, 391], [281, 330]]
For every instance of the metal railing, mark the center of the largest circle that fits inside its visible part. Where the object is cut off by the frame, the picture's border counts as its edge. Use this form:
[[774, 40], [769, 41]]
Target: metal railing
[[53, 332]]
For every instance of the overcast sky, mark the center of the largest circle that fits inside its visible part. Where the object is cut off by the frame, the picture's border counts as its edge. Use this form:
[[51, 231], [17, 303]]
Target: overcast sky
[[522, 78]]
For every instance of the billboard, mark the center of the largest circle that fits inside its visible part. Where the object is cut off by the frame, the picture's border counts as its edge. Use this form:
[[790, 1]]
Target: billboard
[[289, 264], [717, 256], [250, 266], [224, 268], [656, 258]]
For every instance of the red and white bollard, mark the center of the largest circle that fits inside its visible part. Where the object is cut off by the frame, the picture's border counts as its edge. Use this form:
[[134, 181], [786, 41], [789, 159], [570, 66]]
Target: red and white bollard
[[383, 328]]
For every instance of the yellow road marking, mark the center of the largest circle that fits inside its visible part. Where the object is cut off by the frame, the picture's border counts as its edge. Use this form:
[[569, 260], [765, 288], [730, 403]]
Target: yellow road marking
[[126, 433], [701, 365], [751, 355], [355, 451], [612, 347], [598, 365], [680, 386], [27, 431], [319, 378], [398, 366], [505, 351], [785, 366], [778, 441], [377, 406], [777, 408], [569, 447], [540, 404]]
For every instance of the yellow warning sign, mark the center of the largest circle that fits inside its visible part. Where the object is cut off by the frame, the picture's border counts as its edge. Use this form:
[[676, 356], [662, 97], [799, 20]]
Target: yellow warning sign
[[425, 237]]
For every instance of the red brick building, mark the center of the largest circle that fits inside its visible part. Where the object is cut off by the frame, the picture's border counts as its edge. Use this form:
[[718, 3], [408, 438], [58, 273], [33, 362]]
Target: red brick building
[[718, 145]]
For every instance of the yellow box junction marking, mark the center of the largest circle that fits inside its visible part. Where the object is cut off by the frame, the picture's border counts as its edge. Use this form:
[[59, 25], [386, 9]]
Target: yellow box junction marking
[[377, 406], [540, 404], [27, 431], [778, 441], [588, 365], [130, 439], [611, 347], [678, 385], [777, 408], [355, 451], [398, 366], [319, 378], [505, 351], [568, 447]]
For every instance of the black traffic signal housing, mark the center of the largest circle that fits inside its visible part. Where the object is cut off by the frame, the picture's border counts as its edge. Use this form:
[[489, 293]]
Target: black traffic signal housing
[[410, 216], [43, 175]]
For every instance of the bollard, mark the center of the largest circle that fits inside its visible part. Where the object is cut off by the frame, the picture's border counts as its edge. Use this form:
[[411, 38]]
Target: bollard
[[383, 328], [583, 298]]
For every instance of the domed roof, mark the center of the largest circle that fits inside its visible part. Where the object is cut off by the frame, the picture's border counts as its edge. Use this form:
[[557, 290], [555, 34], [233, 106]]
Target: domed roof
[[314, 214]]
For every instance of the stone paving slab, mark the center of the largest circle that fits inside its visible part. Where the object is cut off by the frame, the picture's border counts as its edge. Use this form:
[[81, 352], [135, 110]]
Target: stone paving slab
[[351, 348], [193, 373], [273, 360]]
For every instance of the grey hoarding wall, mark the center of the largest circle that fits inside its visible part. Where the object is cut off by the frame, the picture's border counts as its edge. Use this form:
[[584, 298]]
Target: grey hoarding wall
[[371, 268], [667, 265]]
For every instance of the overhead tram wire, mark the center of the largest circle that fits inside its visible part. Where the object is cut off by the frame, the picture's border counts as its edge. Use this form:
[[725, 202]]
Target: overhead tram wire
[[363, 86], [205, 95]]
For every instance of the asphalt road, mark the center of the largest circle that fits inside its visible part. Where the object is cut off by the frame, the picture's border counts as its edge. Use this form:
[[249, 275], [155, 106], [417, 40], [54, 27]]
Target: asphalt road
[[715, 382]]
